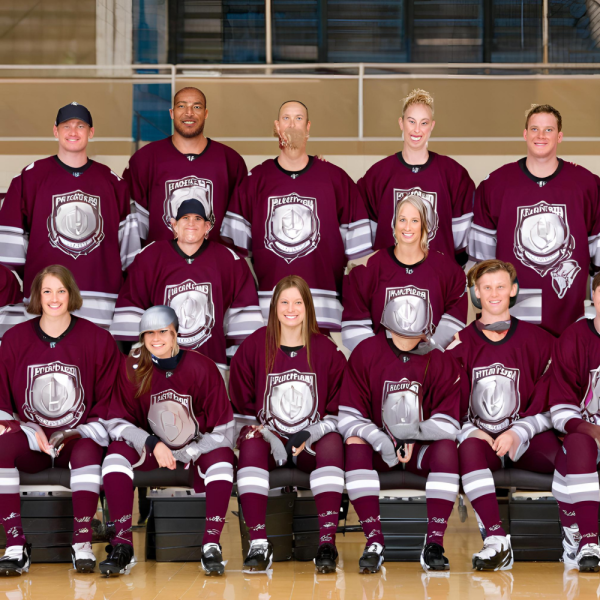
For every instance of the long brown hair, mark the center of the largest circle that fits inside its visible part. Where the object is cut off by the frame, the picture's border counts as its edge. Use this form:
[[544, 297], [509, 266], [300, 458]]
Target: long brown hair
[[65, 277], [419, 205], [309, 326]]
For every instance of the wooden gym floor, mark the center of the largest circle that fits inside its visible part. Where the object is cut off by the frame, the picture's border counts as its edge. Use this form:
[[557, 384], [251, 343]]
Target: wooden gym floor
[[298, 580]]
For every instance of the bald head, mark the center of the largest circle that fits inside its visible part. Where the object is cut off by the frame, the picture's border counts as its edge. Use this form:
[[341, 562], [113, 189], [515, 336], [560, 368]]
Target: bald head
[[190, 92], [293, 105]]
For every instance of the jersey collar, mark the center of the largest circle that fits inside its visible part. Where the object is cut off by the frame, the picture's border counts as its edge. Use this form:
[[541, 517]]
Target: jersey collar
[[540, 181], [415, 168], [193, 257]]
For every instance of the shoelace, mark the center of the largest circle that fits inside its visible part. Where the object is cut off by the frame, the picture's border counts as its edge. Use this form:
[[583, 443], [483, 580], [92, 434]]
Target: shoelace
[[374, 548], [211, 548], [12, 553], [260, 548]]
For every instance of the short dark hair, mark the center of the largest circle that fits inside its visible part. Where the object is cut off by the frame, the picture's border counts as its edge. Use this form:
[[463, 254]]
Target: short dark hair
[[543, 108], [189, 89], [66, 278], [287, 102]]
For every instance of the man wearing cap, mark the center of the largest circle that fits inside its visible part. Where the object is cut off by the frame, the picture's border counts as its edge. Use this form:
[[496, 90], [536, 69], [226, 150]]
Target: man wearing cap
[[183, 166], [68, 209], [210, 288]]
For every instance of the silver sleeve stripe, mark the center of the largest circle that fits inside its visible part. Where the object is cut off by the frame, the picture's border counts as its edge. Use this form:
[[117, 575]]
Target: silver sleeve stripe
[[129, 240], [528, 306], [4, 416], [13, 245], [237, 229], [352, 424], [126, 322], [482, 242], [466, 431], [142, 216], [320, 430], [446, 422], [357, 238], [95, 431], [446, 329], [527, 427], [115, 428], [221, 437], [373, 226], [354, 332], [239, 323], [231, 350], [594, 245], [460, 230], [562, 413], [97, 308], [10, 316]]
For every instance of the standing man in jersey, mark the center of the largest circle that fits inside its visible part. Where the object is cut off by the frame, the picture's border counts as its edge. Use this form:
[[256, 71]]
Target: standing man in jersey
[[184, 166], [299, 215], [70, 210], [541, 214]]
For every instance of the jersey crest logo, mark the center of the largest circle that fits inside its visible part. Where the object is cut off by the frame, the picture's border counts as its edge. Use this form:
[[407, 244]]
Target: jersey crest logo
[[172, 418], [543, 242], [292, 226], [290, 402], [75, 224], [430, 201], [187, 188], [195, 310], [590, 407], [54, 396], [495, 399], [401, 404], [408, 309]]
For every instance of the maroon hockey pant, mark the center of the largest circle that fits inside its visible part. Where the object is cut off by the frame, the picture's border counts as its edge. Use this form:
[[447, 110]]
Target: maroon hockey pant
[[326, 470], [438, 461], [213, 474], [478, 461], [83, 457]]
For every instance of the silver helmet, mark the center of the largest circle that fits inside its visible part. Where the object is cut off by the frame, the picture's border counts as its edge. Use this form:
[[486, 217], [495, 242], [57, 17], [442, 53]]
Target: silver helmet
[[158, 317]]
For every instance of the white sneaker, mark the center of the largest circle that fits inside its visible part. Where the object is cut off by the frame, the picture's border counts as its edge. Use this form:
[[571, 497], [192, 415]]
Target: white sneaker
[[84, 560], [16, 559], [588, 559], [372, 558], [570, 542], [496, 554]]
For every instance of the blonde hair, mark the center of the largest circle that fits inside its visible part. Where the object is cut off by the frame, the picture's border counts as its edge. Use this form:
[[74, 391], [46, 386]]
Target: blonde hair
[[543, 108], [417, 96], [420, 207]]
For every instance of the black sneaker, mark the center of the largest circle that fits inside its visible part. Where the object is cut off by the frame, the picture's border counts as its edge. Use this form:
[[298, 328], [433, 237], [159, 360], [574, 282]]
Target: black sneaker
[[325, 560], [433, 559], [120, 560], [496, 554], [212, 559], [260, 557], [16, 559], [83, 558], [372, 558], [588, 559]]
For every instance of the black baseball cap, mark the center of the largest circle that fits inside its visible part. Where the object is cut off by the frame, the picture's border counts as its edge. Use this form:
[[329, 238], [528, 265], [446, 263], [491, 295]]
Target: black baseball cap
[[191, 207], [74, 111]]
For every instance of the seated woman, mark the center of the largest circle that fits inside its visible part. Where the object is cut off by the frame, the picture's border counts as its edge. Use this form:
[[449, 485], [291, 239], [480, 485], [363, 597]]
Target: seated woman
[[285, 378], [401, 404], [56, 373], [505, 402], [575, 410], [426, 289], [170, 405]]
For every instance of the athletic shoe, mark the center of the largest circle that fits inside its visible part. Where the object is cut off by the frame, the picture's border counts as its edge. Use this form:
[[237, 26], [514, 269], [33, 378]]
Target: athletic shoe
[[260, 557], [496, 554], [588, 559], [433, 559], [212, 559], [16, 559], [372, 558], [120, 560], [570, 542], [84, 560], [325, 560]]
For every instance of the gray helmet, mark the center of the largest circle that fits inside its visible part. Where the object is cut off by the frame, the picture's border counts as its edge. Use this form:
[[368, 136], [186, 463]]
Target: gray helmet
[[158, 317], [408, 316]]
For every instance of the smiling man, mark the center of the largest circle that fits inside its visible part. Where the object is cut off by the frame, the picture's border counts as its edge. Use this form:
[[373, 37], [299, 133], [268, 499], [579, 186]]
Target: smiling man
[[541, 214], [186, 165], [70, 210]]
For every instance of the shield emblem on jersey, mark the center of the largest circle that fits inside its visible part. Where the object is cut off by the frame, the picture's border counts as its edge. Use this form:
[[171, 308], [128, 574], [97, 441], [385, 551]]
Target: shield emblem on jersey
[[407, 311], [292, 226], [75, 224], [291, 402], [55, 396], [430, 201], [195, 310], [187, 188], [171, 418], [591, 403], [401, 403]]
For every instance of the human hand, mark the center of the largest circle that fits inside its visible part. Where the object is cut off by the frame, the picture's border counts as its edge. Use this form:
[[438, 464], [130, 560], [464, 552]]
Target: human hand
[[408, 450], [164, 456]]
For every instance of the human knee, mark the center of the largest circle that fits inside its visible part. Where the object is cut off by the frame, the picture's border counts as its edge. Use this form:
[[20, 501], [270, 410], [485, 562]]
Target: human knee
[[86, 452], [254, 452], [355, 440], [444, 456], [330, 451], [471, 456]]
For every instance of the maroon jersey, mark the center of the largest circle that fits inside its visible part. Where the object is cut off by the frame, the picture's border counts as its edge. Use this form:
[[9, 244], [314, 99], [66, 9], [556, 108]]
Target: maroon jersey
[[505, 384], [429, 295], [60, 384], [160, 178], [549, 229], [10, 294], [308, 223], [50, 216], [575, 375], [212, 292], [444, 186], [182, 403], [294, 395]]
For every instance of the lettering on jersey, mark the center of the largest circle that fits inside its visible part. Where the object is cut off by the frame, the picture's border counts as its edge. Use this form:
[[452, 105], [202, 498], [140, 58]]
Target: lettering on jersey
[[430, 201], [408, 309], [187, 188], [54, 396], [495, 399], [172, 418], [292, 226], [75, 224], [590, 407], [401, 404], [195, 310], [544, 243], [290, 403]]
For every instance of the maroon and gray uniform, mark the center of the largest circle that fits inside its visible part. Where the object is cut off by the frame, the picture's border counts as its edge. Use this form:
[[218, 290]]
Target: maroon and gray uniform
[[160, 178], [54, 384], [54, 214], [188, 410], [444, 186], [212, 292], [429, 295], [294, 396], [549, 229], [10, 294], [308, 223]]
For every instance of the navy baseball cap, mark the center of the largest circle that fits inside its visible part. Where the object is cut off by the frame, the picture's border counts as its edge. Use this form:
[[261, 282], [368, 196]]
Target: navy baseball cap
[[74, 111], [191, 207]]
